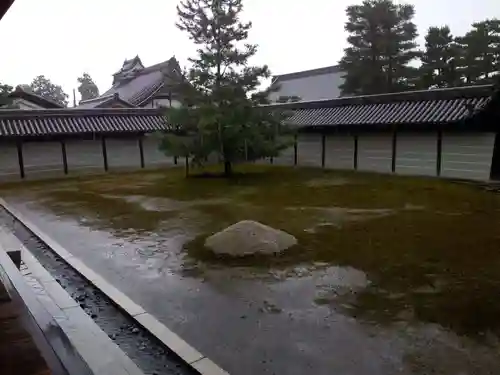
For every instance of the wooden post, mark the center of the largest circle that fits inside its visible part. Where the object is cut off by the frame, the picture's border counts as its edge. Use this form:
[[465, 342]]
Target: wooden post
[[439, 146], [271, 160], [20, 158], [394, 151], [295, 150], [246, 151], [176, 161], [104, 153], [186, 160], [141, 151], [64, 157], [323, 150], [355, 152]]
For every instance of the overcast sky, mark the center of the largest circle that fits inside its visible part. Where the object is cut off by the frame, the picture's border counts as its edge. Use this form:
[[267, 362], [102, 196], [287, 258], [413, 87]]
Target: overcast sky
[[63, 38]]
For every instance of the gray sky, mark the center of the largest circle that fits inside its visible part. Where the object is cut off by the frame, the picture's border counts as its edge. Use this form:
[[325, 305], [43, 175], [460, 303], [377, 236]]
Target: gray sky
[[63, 38]]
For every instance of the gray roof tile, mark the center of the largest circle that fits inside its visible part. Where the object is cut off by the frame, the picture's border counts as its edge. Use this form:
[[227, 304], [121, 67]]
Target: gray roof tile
[[440, 106], [77, 121]]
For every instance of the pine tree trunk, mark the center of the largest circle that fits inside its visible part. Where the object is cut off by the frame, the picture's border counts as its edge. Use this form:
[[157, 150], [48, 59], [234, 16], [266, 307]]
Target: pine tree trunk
[[228, 168]]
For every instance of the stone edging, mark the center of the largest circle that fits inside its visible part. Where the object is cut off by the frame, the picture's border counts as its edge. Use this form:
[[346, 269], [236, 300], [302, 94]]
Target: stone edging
[[186, 352]]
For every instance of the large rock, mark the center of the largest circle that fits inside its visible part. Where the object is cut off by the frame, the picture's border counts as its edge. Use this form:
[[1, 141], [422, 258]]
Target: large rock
[[249, 237]]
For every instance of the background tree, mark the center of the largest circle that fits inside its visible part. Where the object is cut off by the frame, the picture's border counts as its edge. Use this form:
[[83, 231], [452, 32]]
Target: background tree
[[5, 90], [479, 59], [382, 44], [87, 89], [438, 59], [45, 88], [221, 113]]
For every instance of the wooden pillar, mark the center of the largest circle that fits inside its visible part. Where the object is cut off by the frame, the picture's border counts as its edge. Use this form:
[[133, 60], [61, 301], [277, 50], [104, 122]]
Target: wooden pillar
[[141, 151], [20, 158], [186, 161], [323, 150], [246, 151], [355, 157], [64, 157], [495, 159], [104, 153], [176, 161], [271, 160], [295, 150], [439, 153], [394, 150]]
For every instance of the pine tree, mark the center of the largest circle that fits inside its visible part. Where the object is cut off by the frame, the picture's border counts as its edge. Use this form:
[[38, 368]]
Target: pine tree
[[45, 88], [479, 58], [5, 90], [221, 113], [438, 67], [87, 89], [382, 44]]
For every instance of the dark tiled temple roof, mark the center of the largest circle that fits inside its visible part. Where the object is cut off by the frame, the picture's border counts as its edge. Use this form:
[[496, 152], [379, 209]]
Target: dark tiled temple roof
[[104, 102], [144, 83], [22, 123], [21, 93], [440, 106]]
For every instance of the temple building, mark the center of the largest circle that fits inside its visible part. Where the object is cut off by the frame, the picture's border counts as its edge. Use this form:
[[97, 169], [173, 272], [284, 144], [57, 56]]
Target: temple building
[[135, 85]]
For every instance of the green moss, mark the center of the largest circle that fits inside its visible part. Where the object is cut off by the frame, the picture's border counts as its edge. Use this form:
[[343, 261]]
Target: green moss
[[437, 248]]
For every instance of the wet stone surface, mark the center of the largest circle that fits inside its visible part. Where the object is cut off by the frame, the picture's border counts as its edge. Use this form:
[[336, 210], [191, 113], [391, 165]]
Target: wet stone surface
[[151, 356]]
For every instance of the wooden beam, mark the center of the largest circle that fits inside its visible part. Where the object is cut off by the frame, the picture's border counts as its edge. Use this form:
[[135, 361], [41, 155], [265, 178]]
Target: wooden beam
[[104, 153], [323, 150], [439, 154], [64, 157], [141, 151], [355, 157], [394, 150], [295, 150], [20, 159]]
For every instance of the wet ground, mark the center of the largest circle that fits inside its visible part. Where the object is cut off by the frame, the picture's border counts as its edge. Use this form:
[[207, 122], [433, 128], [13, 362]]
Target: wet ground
[[392, 275]]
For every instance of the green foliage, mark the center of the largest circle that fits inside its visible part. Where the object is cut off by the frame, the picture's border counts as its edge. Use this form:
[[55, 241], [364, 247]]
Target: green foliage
[[221, 116], [87, 89], [43, 87], [439, 58], [381, 46], [480, 52], [5, 90]]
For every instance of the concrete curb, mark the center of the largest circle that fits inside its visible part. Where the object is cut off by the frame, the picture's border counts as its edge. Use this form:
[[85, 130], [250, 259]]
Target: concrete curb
[[186, 352]]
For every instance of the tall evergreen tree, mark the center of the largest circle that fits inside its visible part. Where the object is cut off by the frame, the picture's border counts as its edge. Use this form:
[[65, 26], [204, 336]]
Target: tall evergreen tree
[[87, 89], [5, 90], [221, 115], [382, 44], [479, 58], [438, 67], [45, 88]]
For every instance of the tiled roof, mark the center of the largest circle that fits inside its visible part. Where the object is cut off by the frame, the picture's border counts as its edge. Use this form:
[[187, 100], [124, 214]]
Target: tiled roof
[[441, 106], [16, 123], [145, 83], [21, 93], [103, 102]]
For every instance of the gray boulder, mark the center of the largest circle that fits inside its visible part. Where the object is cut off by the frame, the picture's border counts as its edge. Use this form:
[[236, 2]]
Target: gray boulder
[[249, 237]]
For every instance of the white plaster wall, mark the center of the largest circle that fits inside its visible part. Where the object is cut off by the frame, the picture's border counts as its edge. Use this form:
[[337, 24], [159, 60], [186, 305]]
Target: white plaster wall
[[123, 153], [416, 154], [467, 155], [309, 150], [84, 155], [42, 157], [9, 165], [152, 155], [339, 151], [375, 152]]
